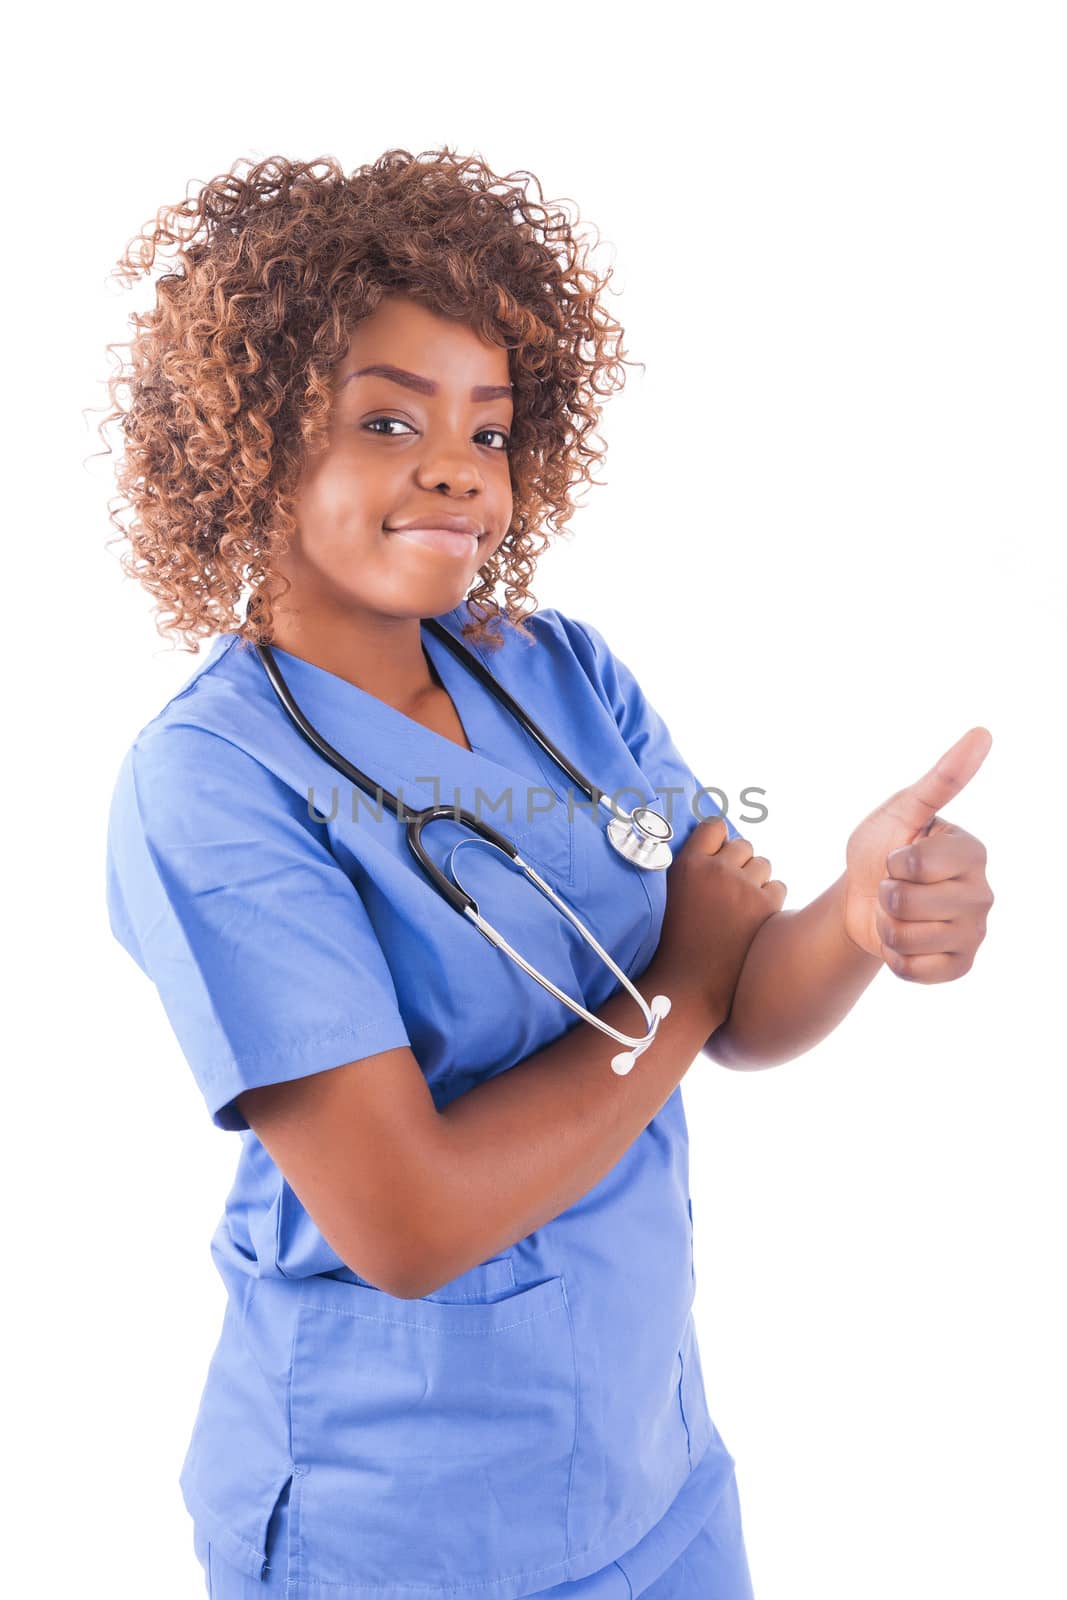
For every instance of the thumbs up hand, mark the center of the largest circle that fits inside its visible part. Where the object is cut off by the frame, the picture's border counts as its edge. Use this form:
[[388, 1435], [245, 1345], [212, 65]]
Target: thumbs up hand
[[916, 893]]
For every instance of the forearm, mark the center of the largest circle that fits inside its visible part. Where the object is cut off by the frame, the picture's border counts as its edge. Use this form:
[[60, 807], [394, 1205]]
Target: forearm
[[521, 1148], [802, 975]]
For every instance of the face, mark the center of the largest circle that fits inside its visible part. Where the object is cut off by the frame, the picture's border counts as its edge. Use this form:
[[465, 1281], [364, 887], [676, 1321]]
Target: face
[[400, 454]]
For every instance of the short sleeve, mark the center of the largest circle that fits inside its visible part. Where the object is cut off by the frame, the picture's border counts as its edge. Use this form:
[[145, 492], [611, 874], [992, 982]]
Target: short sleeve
[[686, 800], [222, 889]]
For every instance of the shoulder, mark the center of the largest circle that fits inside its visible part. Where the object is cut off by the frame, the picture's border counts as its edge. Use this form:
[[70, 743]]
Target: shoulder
[[554, 640], [209, 675], [209, 721], [195, 705], [200, 753]]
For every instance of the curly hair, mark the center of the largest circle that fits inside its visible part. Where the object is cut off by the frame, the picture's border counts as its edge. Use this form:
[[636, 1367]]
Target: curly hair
[[229, 378]]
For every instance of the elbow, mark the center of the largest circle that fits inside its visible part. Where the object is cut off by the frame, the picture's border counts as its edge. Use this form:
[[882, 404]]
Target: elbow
[[727, 1054], [722, 1049], [423, 1272], [428, 1260], [718, 1047], [408, 1270], [415, 1284], [410, 1289], [399, 1290], [407, 1242], [721, 1056], [388, 1262], [395, 1280]]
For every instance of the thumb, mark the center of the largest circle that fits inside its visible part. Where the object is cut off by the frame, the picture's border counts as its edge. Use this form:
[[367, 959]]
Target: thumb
[[918, 804]]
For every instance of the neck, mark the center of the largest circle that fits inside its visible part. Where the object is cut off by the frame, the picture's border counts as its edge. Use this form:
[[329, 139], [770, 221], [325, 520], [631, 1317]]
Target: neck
[[380, 654]]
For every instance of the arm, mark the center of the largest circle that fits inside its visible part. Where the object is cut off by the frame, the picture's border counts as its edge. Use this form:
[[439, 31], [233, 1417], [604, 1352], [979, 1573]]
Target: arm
[[411, 1197], [913, 897], [521, 1148], [801, 976]]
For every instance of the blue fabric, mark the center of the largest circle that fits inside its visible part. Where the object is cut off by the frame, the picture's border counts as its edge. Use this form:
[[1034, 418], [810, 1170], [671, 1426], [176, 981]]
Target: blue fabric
[[532, 1422], [712, 1565]]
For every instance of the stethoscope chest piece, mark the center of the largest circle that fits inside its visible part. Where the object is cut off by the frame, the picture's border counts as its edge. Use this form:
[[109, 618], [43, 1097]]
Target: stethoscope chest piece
[[643, 838]]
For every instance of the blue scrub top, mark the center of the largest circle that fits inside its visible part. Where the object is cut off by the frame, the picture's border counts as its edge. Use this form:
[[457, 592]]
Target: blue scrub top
[[533, 1420]]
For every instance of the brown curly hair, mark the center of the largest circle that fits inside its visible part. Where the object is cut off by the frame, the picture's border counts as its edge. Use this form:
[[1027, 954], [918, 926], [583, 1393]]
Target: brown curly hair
[[229, 376]]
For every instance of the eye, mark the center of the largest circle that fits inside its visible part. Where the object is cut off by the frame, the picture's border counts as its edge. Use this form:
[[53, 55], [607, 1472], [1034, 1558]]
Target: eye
[[374, 420], [372, 424], [506, 437]]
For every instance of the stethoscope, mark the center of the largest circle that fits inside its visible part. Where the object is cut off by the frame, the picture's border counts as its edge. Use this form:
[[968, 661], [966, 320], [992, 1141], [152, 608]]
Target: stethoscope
[[642, 837]]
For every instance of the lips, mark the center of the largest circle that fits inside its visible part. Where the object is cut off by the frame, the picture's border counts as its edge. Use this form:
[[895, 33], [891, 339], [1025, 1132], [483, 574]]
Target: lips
[[446, 540], [438, 520]]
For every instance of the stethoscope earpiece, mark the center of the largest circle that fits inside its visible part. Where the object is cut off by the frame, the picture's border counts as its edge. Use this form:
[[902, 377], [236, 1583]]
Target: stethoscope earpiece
[[621, 1064]]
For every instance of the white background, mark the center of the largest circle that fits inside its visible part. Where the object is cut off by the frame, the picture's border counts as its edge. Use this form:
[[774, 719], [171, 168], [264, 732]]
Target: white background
[[829, 542]]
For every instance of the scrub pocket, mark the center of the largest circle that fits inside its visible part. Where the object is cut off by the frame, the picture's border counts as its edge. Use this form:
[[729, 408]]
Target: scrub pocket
[[432, 1441]]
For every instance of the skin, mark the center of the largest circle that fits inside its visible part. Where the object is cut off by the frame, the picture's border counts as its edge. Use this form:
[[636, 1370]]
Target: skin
[[509, 1155], [358, 591], [913, 897]]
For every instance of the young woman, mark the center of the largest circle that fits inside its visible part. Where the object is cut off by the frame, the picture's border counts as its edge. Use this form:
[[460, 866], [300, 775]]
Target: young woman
[[458, 1356]]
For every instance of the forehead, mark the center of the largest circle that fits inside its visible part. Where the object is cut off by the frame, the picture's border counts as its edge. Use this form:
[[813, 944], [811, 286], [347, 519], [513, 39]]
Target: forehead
[[406, 342]]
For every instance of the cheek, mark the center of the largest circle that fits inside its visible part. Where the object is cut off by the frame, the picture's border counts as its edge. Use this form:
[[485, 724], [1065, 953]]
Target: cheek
[[340, 503], [491, 546]]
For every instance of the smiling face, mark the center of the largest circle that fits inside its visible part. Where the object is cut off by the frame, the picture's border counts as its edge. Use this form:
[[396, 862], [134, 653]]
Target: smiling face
[[404, 452]]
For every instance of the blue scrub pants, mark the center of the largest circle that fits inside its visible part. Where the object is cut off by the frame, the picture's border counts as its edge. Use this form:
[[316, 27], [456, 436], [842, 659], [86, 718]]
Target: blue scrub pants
[[713, 1566]]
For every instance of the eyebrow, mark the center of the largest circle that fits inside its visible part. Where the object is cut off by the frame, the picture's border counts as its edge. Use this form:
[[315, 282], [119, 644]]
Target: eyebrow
[[412, 380]]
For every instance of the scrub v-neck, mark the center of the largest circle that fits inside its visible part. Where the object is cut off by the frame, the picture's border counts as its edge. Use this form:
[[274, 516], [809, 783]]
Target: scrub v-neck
[[500, 749], [499, 738], [384, 714], [442, 687]]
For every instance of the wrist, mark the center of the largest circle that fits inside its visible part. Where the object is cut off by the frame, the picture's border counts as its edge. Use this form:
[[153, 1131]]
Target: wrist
[[858, 951]]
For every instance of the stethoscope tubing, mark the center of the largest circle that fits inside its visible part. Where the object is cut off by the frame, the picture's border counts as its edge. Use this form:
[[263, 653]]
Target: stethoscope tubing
[[414, 823], [521, 715]]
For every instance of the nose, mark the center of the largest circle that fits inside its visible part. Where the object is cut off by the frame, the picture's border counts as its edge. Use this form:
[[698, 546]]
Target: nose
[[449, 464]]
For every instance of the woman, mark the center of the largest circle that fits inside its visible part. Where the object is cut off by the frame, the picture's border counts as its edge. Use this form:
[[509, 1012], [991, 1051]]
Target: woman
[[458, 1354]]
